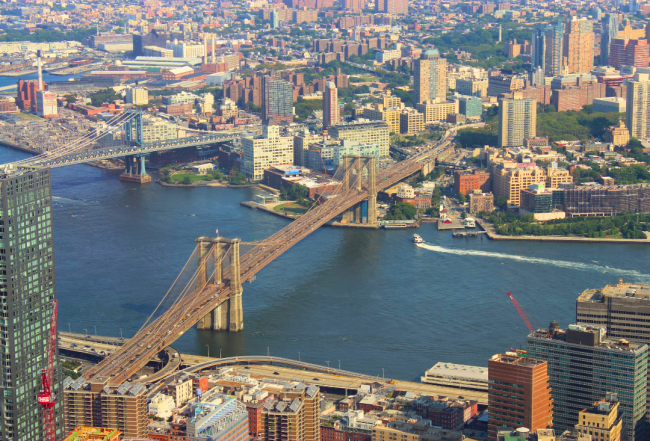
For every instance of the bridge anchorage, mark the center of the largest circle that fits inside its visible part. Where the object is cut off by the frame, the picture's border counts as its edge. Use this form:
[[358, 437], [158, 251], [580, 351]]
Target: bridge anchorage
[[229, 314], [360, 173]]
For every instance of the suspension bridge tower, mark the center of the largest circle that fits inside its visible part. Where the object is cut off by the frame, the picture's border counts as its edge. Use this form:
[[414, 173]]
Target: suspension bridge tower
[[134, 170]]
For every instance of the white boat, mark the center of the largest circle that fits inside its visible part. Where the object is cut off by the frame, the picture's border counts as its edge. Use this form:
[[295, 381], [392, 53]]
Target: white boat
[[417, 239]]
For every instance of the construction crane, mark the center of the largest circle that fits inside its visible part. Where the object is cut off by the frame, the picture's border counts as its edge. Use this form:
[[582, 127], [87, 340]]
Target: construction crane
[[46, 398], [521, 313]]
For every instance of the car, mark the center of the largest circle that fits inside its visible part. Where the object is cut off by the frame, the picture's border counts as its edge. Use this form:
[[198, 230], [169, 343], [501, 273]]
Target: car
[[73, 345], [276, 373], [316, 379]]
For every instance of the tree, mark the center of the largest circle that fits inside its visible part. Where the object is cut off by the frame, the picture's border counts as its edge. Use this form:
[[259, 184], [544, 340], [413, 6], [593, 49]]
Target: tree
[[461, 198], [70, 98], [501, 202], [186, 180]]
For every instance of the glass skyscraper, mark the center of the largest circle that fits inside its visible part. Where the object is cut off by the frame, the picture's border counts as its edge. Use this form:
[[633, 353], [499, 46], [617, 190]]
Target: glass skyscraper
[[27, 289]]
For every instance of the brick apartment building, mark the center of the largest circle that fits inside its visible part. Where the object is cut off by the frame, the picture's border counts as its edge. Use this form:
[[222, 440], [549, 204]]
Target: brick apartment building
[[466, 181]]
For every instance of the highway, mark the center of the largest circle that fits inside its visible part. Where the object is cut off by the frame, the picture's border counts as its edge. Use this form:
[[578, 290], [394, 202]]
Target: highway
[[134, 354]]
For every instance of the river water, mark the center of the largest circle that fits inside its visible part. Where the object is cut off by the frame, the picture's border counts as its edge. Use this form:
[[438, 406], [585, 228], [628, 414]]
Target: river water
[[369, 299]]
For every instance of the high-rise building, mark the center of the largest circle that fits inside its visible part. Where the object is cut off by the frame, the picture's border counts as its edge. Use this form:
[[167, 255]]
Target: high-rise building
[[627, 52], [583, 366], [295, 416], [138, 96], [519, 394], [375, 132], [579, 45], [392, 7], [430, 77], [331, 105], [265, 151], [610, 32], [275, 19], [623, 308], [638, 106], [277, 101], [517, 120], [27, 290], [554, 49], [538, 43]]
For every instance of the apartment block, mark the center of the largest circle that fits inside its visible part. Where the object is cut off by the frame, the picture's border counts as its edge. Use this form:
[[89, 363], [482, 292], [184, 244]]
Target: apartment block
[[411, 122], [470, 106], [137, 96], [509, 182], [472, 87], [265, 151], [277, 101], [517, 120], [574, 97], [584, 365], [519, 394], [331, 106], [437, 111], [294, 416], [430, 77], [626, 52], [465, 181], [606, 201], [375, 132], [579, 45], [500, 84], [638, 106], [390, 115], [481, 202]]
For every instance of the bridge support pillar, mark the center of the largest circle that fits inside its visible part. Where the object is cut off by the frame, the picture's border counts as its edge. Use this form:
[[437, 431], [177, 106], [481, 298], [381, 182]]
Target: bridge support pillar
[[135, 170], [366, 170], [229, 315]]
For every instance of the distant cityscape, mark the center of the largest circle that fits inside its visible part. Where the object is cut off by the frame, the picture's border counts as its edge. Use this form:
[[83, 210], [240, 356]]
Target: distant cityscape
[[515, 121]]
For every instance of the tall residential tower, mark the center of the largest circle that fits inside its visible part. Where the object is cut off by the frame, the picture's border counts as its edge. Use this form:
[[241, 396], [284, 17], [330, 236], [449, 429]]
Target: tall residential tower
[[331, 106], [430, 77]]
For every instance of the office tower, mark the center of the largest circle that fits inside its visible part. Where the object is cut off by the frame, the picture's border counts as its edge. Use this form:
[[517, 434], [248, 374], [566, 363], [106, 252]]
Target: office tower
[[554, 49], [277, 101], [275, 19], [265, 151], [26, 291], [623, 308], [518, 394], [430, 77], [583, 366], [603, 420], [517, 120], [579, 45], [638, 106], [610, 32], [375, 132], [331, 106]]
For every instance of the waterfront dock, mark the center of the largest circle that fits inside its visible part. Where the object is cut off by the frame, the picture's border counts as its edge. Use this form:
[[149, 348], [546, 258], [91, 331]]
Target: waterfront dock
[[455, 224]]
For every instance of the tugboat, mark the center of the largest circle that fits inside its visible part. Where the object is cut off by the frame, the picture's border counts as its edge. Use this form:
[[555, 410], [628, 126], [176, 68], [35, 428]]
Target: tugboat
[[417, 239]]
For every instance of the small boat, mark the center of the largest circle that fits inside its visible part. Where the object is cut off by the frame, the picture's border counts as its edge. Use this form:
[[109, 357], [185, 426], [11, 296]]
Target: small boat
[[417, 239]]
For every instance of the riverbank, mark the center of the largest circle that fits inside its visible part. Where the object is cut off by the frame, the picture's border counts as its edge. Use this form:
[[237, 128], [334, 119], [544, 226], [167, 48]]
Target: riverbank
[[492, 234], [217, 184]]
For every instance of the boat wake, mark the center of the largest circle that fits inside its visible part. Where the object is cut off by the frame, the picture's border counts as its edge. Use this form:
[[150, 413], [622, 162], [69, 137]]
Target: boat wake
[[636, 275]]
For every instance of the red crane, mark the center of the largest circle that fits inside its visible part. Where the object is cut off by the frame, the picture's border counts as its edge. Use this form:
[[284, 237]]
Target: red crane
[[521, 313], [46, 398]]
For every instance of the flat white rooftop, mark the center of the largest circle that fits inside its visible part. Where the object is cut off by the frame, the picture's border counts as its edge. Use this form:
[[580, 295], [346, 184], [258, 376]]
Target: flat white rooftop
[[458, 371]]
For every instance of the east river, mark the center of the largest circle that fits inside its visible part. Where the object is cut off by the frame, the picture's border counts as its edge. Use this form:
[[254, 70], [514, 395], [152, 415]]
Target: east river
[[369, 299]]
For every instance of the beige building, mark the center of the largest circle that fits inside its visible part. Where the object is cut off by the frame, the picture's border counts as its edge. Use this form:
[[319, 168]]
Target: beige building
[[158, 129], [472, 87], [618, 135], [180, 390], [411, 122], [433, 111], [623, 308], [602, 421], [372, 132], [390, 115], [265, 151], [557, 176], [509, 182], [430, 77], [638, 106], [301, 142], [517, 120], [137, 96], [579, 45], [388, 100]]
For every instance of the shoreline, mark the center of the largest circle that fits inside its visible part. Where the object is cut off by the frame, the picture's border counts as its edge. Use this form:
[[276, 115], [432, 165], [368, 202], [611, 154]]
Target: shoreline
[[492, 235], [13, 146], [216, 184]]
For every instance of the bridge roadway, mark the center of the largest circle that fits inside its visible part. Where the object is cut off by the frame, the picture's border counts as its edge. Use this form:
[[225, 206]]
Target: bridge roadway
[[134, 354], [116, 152]]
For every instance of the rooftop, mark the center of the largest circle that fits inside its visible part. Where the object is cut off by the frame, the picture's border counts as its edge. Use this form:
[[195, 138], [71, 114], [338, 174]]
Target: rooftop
[[476, 373], [519, 358], [629, 290]]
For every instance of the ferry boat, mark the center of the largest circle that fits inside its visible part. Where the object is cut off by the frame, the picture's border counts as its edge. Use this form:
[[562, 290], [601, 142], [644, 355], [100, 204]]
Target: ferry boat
[[417, 239], [470, 222]]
